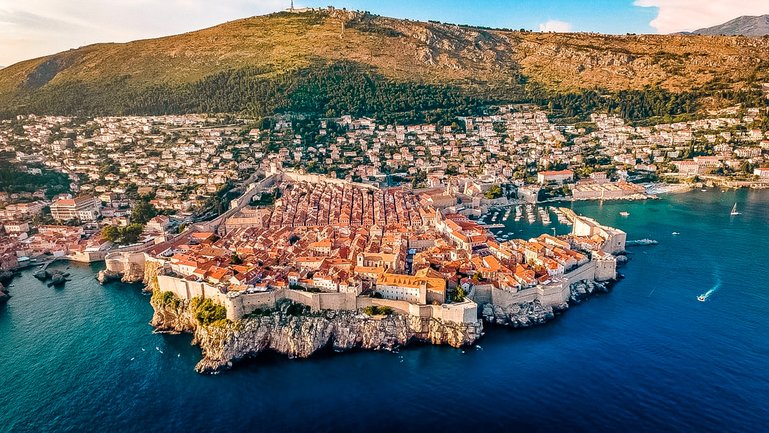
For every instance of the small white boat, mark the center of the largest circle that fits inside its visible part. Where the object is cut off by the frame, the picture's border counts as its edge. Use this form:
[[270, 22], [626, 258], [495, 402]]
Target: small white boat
[[734, 210], [702, 298], [676, 233], [624, 214]]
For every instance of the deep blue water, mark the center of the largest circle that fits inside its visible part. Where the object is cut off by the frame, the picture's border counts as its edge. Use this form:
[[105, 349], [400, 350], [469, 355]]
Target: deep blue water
[[646, 357]]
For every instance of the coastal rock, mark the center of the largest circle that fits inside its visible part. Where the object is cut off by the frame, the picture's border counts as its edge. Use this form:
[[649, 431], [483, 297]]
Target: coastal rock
[[58, 279], [42, 275], [518, 315], [6, 277], [106, 276], [300, 336], [535, 313], [134, 273], [582, 290], [4, 296]]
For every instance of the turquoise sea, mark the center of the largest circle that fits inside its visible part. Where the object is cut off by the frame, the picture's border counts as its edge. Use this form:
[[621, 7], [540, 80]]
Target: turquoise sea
[[646, 357]]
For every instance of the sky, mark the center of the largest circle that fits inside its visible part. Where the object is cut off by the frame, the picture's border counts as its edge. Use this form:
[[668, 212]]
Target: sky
[[33, 28]]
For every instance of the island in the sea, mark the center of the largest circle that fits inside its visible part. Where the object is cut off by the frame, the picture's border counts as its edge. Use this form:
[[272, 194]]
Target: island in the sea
[[303, 262]]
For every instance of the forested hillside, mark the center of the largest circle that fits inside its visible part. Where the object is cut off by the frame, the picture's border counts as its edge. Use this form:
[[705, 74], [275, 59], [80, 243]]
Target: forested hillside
[[335, 62]]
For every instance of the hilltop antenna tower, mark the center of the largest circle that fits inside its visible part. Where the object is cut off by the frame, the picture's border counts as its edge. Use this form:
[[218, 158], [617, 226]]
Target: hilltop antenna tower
[[292, 6]]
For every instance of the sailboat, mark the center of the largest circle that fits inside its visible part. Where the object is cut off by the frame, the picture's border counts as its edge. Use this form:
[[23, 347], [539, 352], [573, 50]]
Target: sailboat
[[734, 210]]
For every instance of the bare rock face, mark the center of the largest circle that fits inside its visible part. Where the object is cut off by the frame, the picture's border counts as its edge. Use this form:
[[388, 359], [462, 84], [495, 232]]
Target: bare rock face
[[584, 289], [300, 336], [134, 273], [519, 316], [106, 276]]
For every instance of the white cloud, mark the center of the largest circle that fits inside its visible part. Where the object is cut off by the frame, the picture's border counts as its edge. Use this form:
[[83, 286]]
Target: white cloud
[[555, 26], [687, 15], [33, 28]]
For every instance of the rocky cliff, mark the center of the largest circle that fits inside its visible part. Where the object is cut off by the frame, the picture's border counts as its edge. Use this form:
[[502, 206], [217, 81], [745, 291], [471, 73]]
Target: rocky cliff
[[741, 26], [301, 335]]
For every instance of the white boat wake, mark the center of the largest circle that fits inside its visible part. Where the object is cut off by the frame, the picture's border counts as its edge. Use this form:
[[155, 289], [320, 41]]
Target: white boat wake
[[704, 297]]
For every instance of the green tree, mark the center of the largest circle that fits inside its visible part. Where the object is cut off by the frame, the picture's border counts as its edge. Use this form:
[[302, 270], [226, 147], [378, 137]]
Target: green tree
[[131, 233], [460, 294], [123, 235], [207, 312], [494, 192], [142, 212], [111, 233]]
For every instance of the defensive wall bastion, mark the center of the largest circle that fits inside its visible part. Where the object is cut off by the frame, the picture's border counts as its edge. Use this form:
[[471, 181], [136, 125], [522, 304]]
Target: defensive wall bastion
[[241, 304]]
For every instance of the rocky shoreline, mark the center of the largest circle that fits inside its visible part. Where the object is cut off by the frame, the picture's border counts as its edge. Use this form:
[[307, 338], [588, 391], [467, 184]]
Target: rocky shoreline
[[301, 336], [5, 279], [4, 296], [131, 277], [534, 313]]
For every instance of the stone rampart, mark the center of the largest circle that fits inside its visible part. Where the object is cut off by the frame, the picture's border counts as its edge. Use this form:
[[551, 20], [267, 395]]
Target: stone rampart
[[245, 303]]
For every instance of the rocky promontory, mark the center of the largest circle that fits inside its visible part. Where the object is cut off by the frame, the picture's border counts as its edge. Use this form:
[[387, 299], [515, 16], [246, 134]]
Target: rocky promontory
[[292, 330]]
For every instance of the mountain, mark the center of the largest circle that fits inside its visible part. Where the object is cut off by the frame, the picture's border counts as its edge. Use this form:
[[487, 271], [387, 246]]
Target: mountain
[[742, 26], [334, 62]]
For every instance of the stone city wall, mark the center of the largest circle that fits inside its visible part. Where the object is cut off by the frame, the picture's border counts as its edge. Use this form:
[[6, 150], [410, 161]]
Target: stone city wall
[[240, 305], [317, 178]]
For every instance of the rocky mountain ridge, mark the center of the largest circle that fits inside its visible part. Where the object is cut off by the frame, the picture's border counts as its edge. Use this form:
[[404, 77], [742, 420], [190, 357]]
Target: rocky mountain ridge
[[741, 26], [280, 50]]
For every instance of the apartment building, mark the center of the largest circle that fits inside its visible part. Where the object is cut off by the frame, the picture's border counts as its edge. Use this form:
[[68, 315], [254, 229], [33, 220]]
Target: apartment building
[[83, 208]]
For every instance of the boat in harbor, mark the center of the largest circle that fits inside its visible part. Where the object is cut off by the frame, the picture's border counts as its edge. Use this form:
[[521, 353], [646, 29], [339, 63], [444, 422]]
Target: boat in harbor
[[734, 210], [624, 213]]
